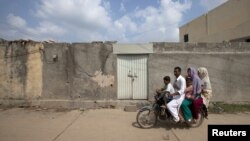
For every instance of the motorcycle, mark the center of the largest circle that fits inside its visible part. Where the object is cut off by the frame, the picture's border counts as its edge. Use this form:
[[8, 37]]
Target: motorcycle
[[148, 116]]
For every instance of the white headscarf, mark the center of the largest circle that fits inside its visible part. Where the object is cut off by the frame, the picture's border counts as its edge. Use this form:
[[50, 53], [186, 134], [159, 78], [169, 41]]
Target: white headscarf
[[205, 78]]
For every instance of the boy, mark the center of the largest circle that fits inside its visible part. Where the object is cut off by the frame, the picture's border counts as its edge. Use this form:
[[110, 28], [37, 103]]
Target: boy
[[165, 91]]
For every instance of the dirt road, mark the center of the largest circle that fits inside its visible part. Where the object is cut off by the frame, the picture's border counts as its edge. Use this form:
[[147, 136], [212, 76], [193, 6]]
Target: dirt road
[[98, 125]]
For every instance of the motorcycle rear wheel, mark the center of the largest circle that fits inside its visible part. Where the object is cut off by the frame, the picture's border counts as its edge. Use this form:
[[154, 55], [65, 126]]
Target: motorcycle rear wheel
[[198, 122]]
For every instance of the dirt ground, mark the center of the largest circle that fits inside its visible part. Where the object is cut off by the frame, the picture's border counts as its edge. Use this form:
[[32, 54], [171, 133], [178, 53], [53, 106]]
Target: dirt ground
[[19, 124]]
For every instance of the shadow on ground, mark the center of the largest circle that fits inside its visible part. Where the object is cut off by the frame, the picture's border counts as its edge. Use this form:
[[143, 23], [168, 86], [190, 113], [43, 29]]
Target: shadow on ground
[[165, 124]]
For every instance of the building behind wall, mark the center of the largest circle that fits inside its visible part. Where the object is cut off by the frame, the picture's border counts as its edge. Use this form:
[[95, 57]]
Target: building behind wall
[[228, 22]]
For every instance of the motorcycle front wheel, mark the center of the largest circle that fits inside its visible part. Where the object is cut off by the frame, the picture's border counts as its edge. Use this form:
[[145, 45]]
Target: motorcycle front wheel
[[146, 118]]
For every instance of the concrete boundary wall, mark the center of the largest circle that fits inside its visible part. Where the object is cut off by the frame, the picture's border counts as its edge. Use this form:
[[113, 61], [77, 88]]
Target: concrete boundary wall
[[227, 64], [86, 71], [37, 73], [71, 75]]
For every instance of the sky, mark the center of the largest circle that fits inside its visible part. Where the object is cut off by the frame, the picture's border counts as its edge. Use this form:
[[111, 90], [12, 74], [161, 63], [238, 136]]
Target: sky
[[124, 21]]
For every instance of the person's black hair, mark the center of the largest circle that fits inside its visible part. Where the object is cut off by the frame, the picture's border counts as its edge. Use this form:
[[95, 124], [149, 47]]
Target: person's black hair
[[167, 78], [177, 68]]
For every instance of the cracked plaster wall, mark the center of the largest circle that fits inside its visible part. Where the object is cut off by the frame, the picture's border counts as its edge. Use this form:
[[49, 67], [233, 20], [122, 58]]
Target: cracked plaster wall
[[87, 71], [20, 70], [84, 71], [33, 70]]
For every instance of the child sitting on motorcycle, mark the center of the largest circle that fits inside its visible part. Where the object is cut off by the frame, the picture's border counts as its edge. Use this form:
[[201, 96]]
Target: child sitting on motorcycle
[[162, 94], [189, 97]]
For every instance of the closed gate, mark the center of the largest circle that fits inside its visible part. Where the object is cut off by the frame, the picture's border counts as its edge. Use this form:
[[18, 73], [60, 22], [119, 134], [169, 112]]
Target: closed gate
[[132, 76]]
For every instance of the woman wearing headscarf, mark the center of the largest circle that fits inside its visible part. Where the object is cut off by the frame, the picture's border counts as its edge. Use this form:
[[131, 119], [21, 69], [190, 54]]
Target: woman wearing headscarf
[[197, 99], [206, 92]]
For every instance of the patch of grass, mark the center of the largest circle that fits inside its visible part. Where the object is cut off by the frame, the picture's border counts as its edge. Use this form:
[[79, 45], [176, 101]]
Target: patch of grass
[[220, 107]]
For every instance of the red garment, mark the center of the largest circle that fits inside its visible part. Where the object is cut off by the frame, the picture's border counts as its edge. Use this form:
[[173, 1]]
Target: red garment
[[196, 106]]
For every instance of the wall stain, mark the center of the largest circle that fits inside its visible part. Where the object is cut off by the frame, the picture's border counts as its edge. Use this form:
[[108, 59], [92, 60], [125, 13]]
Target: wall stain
[[103, 80]]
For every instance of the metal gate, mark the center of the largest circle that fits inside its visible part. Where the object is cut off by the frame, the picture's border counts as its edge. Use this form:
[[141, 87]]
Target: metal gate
[[132, 76]]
